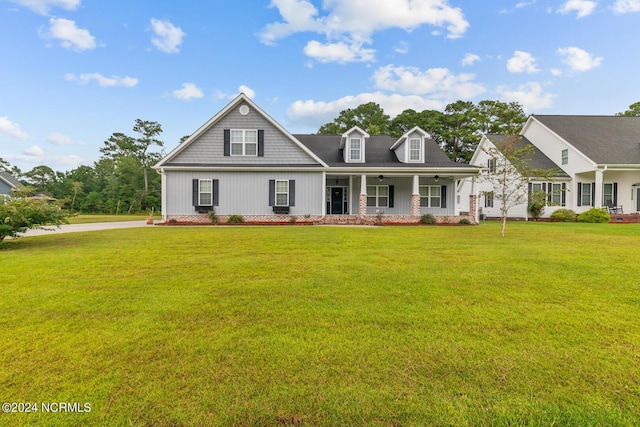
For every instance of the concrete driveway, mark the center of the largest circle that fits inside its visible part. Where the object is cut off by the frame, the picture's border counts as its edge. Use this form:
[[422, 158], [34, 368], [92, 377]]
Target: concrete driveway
[[74, 228]]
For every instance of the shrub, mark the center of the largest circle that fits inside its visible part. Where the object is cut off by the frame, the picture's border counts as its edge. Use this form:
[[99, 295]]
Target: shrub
[[536, 209], [428, 219], [235, 219], [213, 217], [464, 221], [594, 215], [563, 215], [173, 221]]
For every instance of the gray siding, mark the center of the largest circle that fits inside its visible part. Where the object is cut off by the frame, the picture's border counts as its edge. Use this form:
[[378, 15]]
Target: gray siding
[[245, 193], [209, 147]]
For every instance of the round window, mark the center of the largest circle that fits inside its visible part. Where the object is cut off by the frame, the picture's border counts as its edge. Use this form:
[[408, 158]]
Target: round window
[[244, 110]]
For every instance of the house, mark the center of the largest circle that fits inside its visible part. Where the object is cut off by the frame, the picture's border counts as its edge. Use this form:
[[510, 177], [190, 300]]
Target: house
[[8, 183], [243, 162], [598, 159]]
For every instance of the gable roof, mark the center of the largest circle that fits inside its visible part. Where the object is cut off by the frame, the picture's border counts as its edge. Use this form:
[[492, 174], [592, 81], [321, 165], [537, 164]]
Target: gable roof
[[11, 180], [222, 113], [379, 153], [418, 129], [605, 140], [538, 160]]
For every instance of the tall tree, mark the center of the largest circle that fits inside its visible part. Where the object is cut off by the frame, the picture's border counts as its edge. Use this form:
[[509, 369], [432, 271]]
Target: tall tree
[[500, 118], [369, 117], [633, 111], [460, 131], [41, 178], [429, 120]]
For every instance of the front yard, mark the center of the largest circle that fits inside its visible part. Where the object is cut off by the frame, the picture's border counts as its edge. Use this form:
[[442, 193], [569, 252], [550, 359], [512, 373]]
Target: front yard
[[166, 326]]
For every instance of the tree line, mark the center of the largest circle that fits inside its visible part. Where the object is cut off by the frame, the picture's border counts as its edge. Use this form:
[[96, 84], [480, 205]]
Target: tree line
[[121, 181]]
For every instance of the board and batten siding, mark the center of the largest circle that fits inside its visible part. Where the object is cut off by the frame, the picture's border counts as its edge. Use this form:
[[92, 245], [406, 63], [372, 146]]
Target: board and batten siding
[[245, 193], [209, 147]]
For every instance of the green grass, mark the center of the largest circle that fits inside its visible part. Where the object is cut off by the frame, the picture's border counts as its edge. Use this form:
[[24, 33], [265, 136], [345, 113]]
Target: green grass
[[268, 326], [90, 218]]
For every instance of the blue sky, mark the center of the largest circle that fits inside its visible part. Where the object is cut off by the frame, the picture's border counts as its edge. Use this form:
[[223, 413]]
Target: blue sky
[[72, 72]]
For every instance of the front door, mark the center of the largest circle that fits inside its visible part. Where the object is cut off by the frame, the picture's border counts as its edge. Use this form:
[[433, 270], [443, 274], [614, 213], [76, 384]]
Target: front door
[[337, 194]]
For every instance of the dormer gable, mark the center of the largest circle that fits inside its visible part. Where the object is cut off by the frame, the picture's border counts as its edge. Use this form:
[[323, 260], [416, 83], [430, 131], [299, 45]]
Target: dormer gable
[[353, 144], [411, 147]]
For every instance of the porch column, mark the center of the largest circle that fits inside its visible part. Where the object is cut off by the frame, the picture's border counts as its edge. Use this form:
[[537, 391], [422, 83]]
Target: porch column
[[362, 209], [415, 196], [474, 207], [597, 202]]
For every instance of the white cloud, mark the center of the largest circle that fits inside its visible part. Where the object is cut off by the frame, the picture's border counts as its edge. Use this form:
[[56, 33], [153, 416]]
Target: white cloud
[[103, 81], [469, 59], [348, 24], [168, 37], [43, 6], [626, 6], [402, 48], [34, 151], [241, 89], [69, 35], [310, 114], [188, 91], [438, 83], [11, 129], [579, 60], [59, 139], [338, 52], [530, 95], [582, 7], [522, 62]]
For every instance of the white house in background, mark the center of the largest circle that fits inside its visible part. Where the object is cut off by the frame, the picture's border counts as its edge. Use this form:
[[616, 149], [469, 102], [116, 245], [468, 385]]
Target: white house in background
[[242, 162], [598, 156]]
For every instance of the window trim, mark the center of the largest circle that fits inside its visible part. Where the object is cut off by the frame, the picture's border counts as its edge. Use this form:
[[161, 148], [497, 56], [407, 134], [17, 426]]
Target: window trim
[[200, 192], [428, 197], [582, 193], [419, 150], [276, 192], [358, 151], [564, 156], [377, 196], [488, 199], [244, 143]]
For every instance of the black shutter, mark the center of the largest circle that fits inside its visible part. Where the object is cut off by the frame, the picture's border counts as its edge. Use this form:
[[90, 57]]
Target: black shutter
[[215, 192], [564, 194], [260, 143], [443, 197], [391, 193], [529, 192], [593, 194], [195, 188], [292, 192], [272, 192], [579, 194], [615, 194], [227, 142]]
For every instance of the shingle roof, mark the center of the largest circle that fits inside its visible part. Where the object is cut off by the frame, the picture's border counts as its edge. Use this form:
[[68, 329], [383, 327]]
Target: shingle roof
[[538, 160], [603, 139], [11, 180], [378, 152]]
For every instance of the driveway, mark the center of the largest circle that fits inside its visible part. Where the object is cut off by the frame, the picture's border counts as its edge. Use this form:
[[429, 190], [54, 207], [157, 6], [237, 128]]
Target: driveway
[[74, 228]]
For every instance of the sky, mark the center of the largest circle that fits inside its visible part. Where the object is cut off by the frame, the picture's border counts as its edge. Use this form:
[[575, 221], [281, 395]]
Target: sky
[[73, 72]]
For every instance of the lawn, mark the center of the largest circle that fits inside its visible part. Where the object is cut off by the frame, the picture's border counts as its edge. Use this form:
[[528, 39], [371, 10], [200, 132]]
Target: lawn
[[93, 218], [324, 326]]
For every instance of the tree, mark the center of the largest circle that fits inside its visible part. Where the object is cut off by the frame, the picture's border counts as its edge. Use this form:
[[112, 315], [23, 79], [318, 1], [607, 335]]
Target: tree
[[429, 120], [510, 174], [500, 118], [460, 131], [369, 117], [633, 111], [41, 178], [21, 213]]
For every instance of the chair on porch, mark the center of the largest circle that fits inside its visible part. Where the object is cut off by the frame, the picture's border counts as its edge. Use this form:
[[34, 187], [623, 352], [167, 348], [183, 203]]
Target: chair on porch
[[612, 209]]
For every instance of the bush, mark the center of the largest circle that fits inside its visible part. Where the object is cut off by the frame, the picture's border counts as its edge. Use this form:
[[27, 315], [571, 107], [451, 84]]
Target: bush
[[594, 215], [464, 221], [235, 219], [536, 209], [563, 215], [428, 219], [213, 217]]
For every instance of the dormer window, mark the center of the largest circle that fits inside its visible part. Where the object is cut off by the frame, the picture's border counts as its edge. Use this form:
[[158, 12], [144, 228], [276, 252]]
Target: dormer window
[[415, 150], [355, 149]]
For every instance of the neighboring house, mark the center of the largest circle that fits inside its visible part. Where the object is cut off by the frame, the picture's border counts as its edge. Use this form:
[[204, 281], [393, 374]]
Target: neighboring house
[[242, 162], [599, 157], [8, 183]]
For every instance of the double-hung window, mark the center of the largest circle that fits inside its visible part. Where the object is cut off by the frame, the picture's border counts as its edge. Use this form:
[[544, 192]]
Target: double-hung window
[[565, 156], [430, 196], [488, 199], [585, 197], [415, 150], [244, 142], [205, 192], [355, 149], [282, 192], [491, 165], [556, 195], [378, 196]]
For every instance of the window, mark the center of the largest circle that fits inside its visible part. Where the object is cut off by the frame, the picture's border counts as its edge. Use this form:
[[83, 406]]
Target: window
[[430, 196], [585, 197], [610, 194], [205, 192], [557, 195], [488, 199], [491, 165], [244, 142], [565, 156], [282, 193], [415, 150], [378, 196], [355, 149]]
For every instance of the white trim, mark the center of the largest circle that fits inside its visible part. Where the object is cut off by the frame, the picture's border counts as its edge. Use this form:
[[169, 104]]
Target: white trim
[[243, 143]]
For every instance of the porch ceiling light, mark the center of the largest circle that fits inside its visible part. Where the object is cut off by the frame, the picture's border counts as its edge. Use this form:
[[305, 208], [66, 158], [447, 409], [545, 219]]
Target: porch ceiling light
[[381, 177], [436, 178]]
